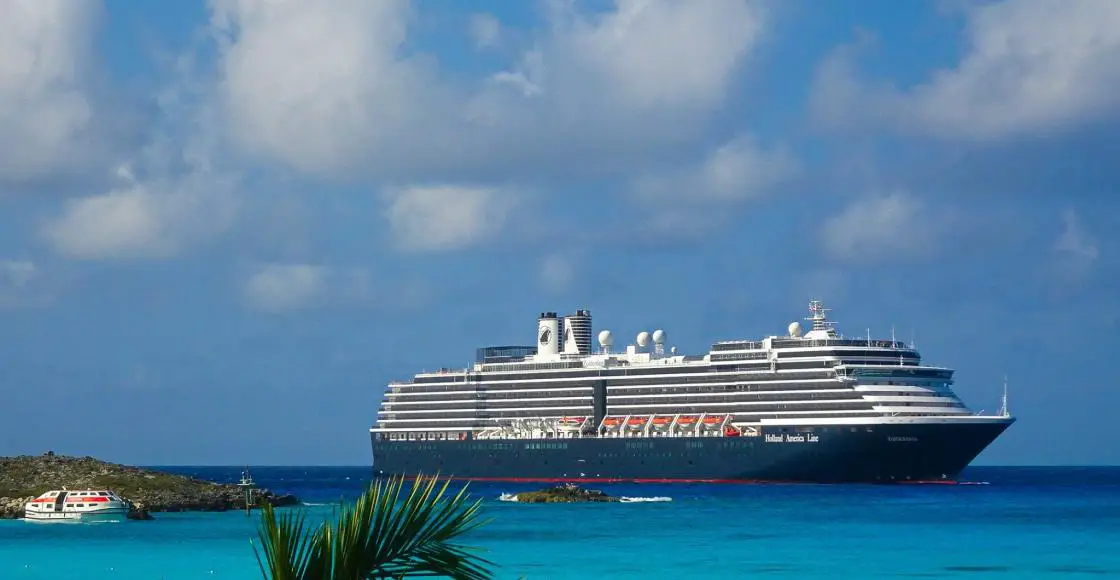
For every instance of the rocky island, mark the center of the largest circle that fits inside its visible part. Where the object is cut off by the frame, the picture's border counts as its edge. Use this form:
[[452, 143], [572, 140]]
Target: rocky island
[[25, 477], [564, 493]]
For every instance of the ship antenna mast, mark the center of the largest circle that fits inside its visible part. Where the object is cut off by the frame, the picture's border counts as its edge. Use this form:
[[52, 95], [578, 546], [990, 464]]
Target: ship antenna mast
[[818, 315]]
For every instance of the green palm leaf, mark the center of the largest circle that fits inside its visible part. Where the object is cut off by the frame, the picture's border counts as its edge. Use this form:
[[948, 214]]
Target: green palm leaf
[[386, 533]]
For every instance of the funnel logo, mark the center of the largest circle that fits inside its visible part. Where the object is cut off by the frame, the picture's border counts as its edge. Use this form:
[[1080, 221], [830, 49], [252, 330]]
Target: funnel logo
[[546, 335]]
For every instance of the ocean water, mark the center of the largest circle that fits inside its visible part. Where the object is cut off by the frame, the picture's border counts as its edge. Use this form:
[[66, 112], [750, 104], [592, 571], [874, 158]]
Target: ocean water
[[1009, 523]]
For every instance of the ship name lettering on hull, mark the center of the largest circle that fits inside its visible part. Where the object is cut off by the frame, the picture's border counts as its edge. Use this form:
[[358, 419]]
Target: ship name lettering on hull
[[785, 438]]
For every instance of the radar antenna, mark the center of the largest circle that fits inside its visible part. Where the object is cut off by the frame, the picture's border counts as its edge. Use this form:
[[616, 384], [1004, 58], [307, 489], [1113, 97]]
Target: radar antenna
[[818, 315]]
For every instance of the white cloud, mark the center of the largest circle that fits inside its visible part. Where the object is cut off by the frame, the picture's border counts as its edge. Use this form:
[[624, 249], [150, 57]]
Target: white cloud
[[1076, 251], [691, 200], [655, 53], [1029, 66], [330, 87], [739, 169], [45, 110], [557, 272], [485, 30], [17, 273], [142, 219], [279, 287], [446, 217], [168, 195], [276, 288], [528, 77], [892, 226], [317, 84], [22, 284]]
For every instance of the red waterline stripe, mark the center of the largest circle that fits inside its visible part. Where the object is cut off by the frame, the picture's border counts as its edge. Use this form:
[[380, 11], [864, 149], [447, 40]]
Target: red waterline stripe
[[670, 480]]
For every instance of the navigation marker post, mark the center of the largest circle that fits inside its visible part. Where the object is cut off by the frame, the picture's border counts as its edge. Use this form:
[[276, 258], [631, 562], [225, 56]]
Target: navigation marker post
[[246, 483]]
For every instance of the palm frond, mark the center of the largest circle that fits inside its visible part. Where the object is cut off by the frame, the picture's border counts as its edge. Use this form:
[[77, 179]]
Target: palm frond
[[286, 544], [416, 535], [382, 535]]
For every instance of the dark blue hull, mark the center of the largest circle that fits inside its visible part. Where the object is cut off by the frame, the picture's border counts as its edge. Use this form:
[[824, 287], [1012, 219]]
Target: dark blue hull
[[826, 454]]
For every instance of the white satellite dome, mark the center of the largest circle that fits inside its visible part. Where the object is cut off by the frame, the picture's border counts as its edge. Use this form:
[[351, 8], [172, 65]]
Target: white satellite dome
[[659, 336], [605, 338], [795, 328], [643, 338]]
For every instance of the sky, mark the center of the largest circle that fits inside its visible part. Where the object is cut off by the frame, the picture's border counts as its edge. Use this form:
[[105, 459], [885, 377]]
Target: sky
[[226, 225]]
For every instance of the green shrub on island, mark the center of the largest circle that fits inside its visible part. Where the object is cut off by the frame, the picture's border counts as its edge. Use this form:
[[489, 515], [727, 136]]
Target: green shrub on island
[[25, 477], [565, 493]]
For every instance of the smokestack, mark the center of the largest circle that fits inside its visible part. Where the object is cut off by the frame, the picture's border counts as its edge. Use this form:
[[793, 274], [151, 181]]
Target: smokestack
[[577, 332], [547, 330]]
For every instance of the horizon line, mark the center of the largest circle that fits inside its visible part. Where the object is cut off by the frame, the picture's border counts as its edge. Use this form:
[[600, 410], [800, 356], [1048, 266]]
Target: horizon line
[[366, 466]]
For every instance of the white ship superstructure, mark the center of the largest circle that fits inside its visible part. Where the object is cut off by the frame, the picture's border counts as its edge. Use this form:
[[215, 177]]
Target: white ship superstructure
[[560, 389]]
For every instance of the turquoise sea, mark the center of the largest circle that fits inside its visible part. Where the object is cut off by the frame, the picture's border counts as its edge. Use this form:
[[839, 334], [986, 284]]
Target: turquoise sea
[[1007, 523]]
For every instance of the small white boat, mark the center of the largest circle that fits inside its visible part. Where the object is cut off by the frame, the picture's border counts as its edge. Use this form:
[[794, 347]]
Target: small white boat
[[84, 505]]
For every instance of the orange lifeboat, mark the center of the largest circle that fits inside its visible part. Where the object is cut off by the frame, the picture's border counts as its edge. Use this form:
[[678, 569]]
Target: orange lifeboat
[[662, 421], [569, 424], [686, 420], [636, 421], [713, 420], [730, 431], [611, 422]]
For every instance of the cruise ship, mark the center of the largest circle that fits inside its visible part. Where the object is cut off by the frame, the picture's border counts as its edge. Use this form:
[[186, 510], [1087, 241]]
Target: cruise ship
[[805, 406]]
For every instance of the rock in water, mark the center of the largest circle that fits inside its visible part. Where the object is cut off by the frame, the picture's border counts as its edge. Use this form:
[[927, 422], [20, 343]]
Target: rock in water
[[25, 477], [564, 493]]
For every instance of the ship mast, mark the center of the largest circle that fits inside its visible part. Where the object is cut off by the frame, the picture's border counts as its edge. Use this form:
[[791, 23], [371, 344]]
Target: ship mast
[[818, 315], [1003, 410]]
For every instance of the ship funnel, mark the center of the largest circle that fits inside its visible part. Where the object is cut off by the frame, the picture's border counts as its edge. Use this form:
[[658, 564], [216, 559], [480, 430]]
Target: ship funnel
[[577, 333], [547, 329]]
